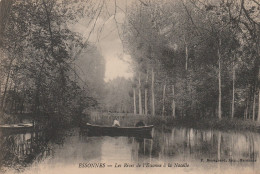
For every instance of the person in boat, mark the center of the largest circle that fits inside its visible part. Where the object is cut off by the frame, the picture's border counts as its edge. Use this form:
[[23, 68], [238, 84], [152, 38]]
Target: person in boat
[[139, 123], [116, 123]]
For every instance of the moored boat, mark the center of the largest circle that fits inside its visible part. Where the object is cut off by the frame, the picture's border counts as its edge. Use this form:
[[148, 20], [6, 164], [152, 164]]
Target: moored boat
[[16, 127]]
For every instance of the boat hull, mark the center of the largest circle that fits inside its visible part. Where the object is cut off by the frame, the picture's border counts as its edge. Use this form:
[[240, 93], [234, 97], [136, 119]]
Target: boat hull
[[97, 130], [16, 127]]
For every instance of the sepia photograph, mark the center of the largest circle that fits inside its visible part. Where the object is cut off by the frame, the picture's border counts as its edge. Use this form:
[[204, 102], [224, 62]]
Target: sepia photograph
[[129, 86]]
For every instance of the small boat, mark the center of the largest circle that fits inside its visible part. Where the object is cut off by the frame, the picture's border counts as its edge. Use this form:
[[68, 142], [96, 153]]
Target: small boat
[[98, 130], [16, 127]]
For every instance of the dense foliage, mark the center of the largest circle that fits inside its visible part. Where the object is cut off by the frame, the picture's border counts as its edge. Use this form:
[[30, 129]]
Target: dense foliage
[[38, 58], [207, 50]]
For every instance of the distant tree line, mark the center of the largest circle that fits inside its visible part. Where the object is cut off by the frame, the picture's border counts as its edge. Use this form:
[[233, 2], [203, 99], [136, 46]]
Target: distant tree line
[[118, 96]]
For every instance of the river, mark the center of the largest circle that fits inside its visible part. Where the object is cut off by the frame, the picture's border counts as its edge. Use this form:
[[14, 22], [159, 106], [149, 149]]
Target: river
[[178, 149]]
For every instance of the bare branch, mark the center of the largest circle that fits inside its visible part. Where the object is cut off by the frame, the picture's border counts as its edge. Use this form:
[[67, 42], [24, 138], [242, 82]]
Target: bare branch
[[186, 9], [143, 3]]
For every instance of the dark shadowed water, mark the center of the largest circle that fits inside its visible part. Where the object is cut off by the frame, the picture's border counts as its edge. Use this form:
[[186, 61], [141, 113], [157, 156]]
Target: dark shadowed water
[[69, 151]]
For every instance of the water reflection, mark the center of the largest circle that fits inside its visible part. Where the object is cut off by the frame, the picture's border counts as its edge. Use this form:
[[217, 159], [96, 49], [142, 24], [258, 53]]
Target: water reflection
[[33, 151], [21, 150]]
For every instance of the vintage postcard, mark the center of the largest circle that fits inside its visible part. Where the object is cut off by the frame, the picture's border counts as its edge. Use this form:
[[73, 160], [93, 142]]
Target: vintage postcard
[[129, 86]]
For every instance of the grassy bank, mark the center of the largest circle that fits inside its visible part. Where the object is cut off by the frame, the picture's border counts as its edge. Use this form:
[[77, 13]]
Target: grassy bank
[[210, 123]]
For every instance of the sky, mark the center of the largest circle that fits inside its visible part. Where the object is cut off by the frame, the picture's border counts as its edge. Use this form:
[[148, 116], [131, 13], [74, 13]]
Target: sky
[[118, 64]]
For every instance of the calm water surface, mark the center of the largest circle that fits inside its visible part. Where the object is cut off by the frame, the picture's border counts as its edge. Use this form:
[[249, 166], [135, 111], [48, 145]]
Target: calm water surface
[[63, 152]]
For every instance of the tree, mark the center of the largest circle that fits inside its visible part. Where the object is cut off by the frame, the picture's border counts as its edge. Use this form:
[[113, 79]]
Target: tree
[[187, 57], [117, 98], [40, 46]]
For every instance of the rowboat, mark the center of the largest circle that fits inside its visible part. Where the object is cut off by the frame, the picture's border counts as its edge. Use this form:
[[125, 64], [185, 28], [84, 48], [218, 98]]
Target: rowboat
[[98, 130], [16, 127]]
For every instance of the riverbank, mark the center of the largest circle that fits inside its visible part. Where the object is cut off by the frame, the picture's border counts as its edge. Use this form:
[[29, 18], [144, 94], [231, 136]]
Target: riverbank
[[212, 123], [8, 118], [54, 121]]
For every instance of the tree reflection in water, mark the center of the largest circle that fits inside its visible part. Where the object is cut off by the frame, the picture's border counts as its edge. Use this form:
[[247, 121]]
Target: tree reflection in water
[[20, 150], [191, 145], [176, 145]]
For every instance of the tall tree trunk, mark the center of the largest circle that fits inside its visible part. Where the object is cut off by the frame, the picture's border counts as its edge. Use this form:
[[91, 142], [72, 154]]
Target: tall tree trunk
[[173, 103], [5, 7], [182, 108], [134, 101], [253, 116], [13, 99], [37, 90], [1, 97], [48, 20], [258, 116], [140, 96], [6, 84], [145, 101], [219, 82], [219, 145], [258, 66], [186, 54], [22, 102], [153, 98], [246, 112], [233, 91], [145, 96], [0, 86], [163, 109]]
